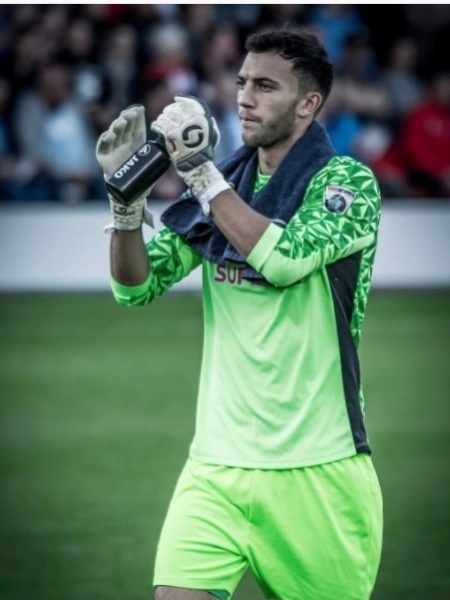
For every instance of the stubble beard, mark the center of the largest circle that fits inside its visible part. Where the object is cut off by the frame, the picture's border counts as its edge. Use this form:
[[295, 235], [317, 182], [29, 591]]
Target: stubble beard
[[272, 132]]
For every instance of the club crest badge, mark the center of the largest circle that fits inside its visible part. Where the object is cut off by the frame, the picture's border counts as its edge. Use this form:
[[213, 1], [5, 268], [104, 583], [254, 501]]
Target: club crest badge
[[338, 199]]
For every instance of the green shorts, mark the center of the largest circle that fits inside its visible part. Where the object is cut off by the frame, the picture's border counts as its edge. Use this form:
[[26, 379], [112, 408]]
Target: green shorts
[[311, 533]]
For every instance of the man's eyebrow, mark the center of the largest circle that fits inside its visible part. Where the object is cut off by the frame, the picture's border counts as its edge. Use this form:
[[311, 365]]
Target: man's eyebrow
[[257, 79]]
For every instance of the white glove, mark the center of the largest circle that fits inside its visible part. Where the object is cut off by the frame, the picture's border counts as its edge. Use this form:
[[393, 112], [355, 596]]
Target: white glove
[[124, 137], [191, 134]]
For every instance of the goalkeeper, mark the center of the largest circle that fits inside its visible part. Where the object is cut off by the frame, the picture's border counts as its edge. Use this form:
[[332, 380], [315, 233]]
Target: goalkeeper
[[279, 476]]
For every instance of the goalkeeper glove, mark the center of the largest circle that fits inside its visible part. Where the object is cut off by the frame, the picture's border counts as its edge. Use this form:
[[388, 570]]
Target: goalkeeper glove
[[191, 134], [124, 137]]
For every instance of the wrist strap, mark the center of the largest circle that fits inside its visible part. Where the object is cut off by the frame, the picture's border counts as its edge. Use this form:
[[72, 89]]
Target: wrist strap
[[205, 182], [211, 192]]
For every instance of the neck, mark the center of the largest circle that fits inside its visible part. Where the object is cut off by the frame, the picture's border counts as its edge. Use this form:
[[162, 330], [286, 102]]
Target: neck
[[269, 158]]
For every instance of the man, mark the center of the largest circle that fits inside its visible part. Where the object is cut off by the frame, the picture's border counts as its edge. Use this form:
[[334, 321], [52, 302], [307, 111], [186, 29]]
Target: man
[[417, 163], [279, 476]]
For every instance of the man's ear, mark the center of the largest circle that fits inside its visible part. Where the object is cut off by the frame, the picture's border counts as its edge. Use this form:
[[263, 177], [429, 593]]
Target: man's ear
[[309, 104]]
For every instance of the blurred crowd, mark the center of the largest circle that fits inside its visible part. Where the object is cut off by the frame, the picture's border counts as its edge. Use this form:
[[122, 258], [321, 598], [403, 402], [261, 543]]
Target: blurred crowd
[[68, 70]]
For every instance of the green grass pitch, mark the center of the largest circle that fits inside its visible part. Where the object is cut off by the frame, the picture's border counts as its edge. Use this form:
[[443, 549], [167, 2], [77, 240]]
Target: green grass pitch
[[97, 412]]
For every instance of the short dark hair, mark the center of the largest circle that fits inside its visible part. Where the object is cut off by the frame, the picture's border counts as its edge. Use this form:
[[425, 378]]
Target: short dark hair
[[309, 57]]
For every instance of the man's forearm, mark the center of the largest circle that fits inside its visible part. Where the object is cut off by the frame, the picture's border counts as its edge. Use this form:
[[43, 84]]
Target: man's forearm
[[239, 223], [129, 259]]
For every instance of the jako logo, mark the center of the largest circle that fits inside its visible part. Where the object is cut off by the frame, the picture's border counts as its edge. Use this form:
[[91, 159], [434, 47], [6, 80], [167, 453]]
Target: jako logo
[[126, 167], [145, 150], [192, 141]]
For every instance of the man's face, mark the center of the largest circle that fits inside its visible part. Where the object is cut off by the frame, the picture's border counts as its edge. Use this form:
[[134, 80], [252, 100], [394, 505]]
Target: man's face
[[268, 97]]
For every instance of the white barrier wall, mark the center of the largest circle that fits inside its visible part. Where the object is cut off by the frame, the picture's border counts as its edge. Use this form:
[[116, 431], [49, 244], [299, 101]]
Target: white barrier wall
[[57, 247]]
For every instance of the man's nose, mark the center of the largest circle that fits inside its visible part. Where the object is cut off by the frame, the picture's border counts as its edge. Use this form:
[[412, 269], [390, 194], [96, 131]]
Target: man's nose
[[246, 97]]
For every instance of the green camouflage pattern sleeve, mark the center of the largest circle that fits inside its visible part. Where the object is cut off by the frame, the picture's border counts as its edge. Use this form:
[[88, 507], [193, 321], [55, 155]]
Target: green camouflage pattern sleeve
[[171, 259], [339, 216]]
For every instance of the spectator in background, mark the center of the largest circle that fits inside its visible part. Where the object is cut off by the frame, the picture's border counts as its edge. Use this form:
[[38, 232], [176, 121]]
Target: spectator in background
[[335, 24], [399, 77], [199, 20], [222, 101], [220, 51], [417, 163], [54, 135], [5, 133], [25, 57], [245, 17], [361, 77], [155, 97], [53, 25], [343, 126], [119, 62], [169, 58], [430, 26], [19, 179], [79, 52], [365, 97], [91, 87], [280, 15]]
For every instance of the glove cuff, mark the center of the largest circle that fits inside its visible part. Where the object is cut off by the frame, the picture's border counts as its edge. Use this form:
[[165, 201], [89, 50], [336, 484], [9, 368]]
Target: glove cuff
[[129, 218], [205, 182]]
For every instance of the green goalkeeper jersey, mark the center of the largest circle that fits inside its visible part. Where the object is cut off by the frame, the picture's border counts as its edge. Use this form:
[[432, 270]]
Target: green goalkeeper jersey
[[280, 383]]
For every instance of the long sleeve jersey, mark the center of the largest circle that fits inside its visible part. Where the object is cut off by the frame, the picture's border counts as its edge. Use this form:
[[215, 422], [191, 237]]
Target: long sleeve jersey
[[280, 384]]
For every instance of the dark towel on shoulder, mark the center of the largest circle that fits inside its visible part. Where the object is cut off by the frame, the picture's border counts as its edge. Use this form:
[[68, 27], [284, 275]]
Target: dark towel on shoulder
[[278, 200]]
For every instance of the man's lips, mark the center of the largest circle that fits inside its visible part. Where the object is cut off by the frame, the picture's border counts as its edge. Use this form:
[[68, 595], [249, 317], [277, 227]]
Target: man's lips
[[247, 119]]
